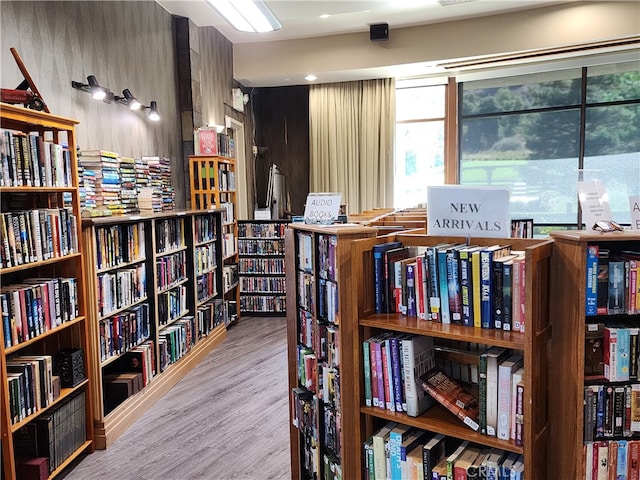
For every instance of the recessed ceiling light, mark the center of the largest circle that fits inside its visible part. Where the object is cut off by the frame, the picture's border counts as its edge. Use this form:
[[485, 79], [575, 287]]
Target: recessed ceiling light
[[324, 16], [310, 78]]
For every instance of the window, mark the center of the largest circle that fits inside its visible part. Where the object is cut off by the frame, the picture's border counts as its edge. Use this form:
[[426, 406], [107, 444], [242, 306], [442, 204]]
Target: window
[[419, 159], [536, 133]]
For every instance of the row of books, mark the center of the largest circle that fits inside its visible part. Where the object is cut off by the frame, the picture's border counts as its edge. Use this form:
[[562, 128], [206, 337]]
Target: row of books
[[402, 374], [262, 284], [613, 281], [619, 459], [30, 385], [230, 276], [452, 283], [611, 411], [263, 303], [170, 235], [612, 352], [400, 452], [172, 304], [327, 267], [210, 315], [262, 230], [262, 266], [321, 338], [124, 331], [327, 303], [227, 179], [120, 289], [36, 306], [206, 287], [228, 215], [205, 228], [208, 141], [175, 341], [55, 435], [30, 160], [171, 269], [257, 246], [229, 246], [119, 244], [205, 258], [30, 236]]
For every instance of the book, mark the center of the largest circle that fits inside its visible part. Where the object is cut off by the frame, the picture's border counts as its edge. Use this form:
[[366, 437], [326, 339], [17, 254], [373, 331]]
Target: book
[[450, 394], [433, 452], [506, 370], [417, 358], [488, 255], [380, 438], [397, 436], [516, 379], [391, 257], [594, 350], [591, 300], [488, 388], [616, 291], [464, 462], [603, 282], [454, 456], [380, 289]]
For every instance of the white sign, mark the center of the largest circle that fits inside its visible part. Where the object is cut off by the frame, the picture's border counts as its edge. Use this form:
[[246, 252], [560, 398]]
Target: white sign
[[322, 207], [634, 208], [461, 210], [594, 203]]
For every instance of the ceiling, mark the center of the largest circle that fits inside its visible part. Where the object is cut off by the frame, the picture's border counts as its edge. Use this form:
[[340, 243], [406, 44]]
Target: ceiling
[[301, 19]]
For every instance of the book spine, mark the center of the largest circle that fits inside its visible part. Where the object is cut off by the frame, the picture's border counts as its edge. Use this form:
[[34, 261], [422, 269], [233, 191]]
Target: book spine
[[591, 300], [378, 279], [497, 294], [434, 285], [519, 437], [396, 374], [453, 286], [411, 289], [486, 313], [366, 358], [482, 394], [444, 288], [507, 289]]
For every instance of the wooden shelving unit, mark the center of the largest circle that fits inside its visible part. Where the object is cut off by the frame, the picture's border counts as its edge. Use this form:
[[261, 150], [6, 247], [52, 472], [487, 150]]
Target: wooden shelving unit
[[166, 273], [261, 267], [567, 379], [213, 185], [49, 339], [318, 261], [533, 344]]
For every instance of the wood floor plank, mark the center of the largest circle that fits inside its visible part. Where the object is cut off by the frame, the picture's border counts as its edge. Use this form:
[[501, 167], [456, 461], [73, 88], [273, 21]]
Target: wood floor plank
[[226, 419]]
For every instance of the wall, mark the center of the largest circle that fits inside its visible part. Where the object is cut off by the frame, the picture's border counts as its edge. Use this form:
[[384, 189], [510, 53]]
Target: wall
[[282, 123], [125, 45]]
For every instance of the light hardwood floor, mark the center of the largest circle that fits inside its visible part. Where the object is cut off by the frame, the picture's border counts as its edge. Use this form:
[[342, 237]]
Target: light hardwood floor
[[227, 419]]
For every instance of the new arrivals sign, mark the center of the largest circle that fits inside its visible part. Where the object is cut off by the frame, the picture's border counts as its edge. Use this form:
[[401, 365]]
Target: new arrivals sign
[[475, 211]]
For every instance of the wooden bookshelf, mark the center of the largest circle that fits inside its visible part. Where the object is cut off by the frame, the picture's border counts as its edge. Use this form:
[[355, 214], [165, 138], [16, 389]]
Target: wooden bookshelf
[[567, 379], [213, 185], [533, 344], [261, 267], [60, 258], [341, 321], [163, 249]]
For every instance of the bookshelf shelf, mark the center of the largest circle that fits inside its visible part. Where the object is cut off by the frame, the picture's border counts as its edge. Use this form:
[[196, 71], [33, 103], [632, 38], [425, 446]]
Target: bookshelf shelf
[[532, 345], [213, 185], [261, 266], [306, 259], [159, 236], [55, 203], [568, 347]]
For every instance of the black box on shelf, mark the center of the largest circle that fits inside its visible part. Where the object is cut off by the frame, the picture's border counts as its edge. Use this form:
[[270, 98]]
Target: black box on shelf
[[69, 365]]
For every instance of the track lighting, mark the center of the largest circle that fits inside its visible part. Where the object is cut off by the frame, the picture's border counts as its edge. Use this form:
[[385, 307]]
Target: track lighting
[[99, 92]]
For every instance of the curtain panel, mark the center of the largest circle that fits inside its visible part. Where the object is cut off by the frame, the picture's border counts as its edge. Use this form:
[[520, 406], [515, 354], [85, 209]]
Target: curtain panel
[[351, 141]]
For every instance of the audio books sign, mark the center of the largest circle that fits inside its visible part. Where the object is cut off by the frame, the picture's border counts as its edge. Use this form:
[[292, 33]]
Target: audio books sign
[[474, 211]]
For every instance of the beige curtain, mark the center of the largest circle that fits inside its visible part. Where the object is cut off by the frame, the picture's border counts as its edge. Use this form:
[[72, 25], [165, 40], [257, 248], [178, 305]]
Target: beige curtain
[[351, 141]]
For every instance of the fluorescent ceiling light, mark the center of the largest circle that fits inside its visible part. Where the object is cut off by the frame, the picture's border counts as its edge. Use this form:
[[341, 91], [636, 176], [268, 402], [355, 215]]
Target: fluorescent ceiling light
[[247, 15]]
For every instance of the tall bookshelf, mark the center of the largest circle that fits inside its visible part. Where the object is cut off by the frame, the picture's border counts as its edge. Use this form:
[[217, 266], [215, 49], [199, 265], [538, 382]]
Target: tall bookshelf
[[213, 185], [261, 267], [320, 332], [533, 346], [40, 191], [161, 260], [567, 450]]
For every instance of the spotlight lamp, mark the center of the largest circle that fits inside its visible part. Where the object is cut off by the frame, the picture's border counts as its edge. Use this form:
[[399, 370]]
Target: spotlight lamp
[[153, 111], [92, 86], [129, 100]]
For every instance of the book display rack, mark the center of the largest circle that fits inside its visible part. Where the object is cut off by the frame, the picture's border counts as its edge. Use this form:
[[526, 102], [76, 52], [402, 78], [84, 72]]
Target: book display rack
[[155, 310], [460, 345], [46, 388], [596, 316], [321, 356], [261, 267], [213, 185]]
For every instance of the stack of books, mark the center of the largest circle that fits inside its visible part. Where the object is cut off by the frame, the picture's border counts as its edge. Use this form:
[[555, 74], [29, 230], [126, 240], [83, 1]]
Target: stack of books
[[111, 182], [128, 191], [91, 165]]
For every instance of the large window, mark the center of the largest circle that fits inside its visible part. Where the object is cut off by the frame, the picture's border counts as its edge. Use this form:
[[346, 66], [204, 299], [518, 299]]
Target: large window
[[419, 159], [537, 134]]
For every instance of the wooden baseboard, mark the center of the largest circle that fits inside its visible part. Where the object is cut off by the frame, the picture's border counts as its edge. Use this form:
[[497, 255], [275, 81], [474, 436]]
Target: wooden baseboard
[[118, 421]]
